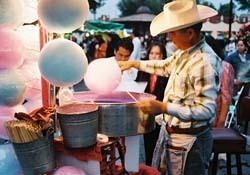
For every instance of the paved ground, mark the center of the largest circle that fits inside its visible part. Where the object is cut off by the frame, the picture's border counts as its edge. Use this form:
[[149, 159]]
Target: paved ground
[[245, 160]]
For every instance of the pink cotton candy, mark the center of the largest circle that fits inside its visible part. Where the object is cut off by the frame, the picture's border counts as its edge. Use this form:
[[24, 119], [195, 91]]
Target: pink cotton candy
[[11, 49], [32, 76], [103, 76], [69, 170]]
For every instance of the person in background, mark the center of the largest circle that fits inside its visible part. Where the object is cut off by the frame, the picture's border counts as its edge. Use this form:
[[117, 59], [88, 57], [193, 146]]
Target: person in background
[[84, 44], [136, 54], [155, 85], [100, 47], [170, 48], [240, 60], [231, 46], [123, 49], [92, 48], [144, 47], [189, 103], [112, 39], [122, 52], [225, 95]]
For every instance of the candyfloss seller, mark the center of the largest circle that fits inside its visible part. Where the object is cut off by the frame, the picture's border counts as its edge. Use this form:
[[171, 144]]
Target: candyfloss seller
[[189, 104]]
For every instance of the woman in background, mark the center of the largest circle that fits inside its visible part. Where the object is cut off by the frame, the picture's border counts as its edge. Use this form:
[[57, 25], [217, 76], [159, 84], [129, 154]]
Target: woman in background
[[240, 60], [155, 85]]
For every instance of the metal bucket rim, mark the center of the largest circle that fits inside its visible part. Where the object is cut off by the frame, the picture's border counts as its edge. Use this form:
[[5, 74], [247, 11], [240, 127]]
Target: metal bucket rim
[[60, 109]]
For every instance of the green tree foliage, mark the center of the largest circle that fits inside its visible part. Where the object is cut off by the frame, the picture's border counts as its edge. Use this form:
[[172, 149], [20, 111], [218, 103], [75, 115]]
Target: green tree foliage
[[243, 4], [128, 7], [206, 3], [224, 9], [95, 4], [156, 8]]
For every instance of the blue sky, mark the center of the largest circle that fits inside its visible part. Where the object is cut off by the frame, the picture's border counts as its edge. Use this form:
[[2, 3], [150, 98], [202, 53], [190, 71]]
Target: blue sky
[[110, 8]]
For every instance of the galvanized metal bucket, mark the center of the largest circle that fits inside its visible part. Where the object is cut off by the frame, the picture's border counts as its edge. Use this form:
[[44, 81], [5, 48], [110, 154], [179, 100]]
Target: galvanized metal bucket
[[36, 157], [79, 124], [119, 114]]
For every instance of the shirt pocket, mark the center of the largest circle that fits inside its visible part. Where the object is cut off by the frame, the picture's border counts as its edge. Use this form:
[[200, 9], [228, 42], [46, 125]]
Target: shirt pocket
[[180, 85]]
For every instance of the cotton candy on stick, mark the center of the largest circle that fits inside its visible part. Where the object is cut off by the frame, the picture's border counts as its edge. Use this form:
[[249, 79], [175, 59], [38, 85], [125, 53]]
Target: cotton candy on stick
[[62, 16], [62, 62], [103, 76]]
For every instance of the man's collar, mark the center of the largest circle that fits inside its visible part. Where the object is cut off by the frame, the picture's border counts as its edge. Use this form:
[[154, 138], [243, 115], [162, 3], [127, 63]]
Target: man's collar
[[198, 45], [191, 49]]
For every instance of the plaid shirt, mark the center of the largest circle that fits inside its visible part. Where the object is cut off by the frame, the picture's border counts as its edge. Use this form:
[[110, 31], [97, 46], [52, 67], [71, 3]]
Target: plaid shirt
[[191, 92]]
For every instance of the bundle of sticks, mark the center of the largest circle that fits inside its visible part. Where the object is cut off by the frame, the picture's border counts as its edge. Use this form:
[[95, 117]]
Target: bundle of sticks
[[21, 131], [30, 127]]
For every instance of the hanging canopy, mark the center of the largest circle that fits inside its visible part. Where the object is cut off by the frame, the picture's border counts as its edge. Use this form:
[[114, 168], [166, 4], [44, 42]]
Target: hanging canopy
[[103, 26]]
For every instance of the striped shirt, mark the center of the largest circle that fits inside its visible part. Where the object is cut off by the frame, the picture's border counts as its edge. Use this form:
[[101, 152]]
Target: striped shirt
[[193, 85]]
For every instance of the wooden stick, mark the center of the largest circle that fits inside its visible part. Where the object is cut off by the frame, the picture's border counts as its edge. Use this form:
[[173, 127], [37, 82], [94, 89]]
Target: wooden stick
[[23, 131], [132, 96]]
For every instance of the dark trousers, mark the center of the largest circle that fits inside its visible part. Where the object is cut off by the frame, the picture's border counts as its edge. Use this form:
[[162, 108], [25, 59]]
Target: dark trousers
[[150, 140]]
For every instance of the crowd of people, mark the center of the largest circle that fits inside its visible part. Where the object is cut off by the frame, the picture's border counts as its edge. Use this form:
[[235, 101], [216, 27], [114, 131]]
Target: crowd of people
[[102, 45], [237, 46]]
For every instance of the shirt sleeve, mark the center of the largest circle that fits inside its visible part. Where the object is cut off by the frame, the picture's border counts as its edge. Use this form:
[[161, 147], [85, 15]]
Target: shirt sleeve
[[204, 85], [158, 67]]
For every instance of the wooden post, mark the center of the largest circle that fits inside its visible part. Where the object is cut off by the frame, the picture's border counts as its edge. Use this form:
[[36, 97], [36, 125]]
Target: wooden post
[[230, 18]]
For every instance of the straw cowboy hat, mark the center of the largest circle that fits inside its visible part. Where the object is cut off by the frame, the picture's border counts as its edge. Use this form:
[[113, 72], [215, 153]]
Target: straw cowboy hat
[[180, 14]]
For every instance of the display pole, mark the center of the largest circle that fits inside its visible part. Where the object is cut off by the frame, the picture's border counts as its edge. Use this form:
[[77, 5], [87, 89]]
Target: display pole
[[48, 90], [43, 36]]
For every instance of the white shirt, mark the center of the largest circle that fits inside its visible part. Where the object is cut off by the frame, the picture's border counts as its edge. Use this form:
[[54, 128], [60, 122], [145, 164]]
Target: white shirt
[[136, 54]]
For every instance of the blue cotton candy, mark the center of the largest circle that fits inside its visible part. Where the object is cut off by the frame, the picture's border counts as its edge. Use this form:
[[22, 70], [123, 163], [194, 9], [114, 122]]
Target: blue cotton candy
[[12, 87], [62, 16], [62, 62], [9, 164]]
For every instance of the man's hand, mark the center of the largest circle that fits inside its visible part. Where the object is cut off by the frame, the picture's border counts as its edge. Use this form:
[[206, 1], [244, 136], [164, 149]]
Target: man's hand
[[125, 65], [153, 107]]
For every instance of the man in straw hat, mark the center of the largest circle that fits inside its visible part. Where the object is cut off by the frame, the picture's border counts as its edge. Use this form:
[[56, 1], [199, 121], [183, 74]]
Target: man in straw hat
[[189, 104]]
